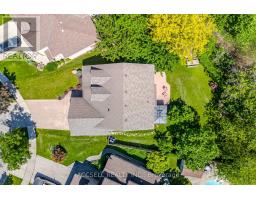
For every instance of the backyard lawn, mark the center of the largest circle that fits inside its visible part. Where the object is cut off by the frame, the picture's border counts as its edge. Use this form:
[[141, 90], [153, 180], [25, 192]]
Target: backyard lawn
[[81, 147], [34, 84], [191, 84]]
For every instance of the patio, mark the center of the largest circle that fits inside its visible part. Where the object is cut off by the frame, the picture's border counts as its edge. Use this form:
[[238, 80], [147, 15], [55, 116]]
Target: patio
[[162, 88]]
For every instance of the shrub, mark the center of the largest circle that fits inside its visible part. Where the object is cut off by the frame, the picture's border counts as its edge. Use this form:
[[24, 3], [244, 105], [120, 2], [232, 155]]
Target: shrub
[[58, 153], [51, 66]]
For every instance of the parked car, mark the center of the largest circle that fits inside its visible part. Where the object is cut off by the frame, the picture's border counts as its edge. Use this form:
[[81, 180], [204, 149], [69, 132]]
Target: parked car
[[111, 140]]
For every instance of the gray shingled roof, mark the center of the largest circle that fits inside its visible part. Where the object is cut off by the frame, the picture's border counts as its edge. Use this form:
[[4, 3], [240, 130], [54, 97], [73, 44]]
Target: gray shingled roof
[[125, 99], [80, 108]]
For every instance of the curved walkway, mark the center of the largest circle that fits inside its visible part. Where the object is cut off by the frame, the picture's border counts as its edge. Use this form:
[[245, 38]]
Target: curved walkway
[[20, 117]]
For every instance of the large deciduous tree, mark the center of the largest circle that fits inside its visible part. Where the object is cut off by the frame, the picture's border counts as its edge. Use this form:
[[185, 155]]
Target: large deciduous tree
[[232, 117], [14, 148], [233, 24], [184, 35], [126, 38], [191, 142]]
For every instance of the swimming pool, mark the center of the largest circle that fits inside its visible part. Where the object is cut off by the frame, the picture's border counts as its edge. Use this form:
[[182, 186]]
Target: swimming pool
[[213, 182]]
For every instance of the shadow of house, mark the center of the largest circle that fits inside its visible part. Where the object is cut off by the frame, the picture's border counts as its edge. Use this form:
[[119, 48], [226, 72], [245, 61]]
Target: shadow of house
[[95, 60], [111, 149], [145, 147], [19, 119]]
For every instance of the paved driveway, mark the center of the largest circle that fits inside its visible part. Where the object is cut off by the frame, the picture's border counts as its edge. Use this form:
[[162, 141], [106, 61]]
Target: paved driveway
[[50, 114]]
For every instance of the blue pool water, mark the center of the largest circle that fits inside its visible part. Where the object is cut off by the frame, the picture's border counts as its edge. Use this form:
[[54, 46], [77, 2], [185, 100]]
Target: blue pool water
[[213, 182]]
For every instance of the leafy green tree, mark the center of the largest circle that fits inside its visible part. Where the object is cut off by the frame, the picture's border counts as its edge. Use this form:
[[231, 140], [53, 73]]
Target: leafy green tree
[[197, 147], [158, 162], [126, 38], [164, 141], [6, 98], [14, 148], [232, 117], [240, 172], [233, 24], [184, 135]]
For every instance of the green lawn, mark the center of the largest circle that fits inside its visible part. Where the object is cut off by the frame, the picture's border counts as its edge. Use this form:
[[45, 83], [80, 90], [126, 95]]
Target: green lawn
[[191, 84], [4, 18], [79, 148], [13, 180], [34, 84]]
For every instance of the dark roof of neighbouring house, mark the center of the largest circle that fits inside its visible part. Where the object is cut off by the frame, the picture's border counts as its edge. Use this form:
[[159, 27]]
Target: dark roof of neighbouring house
[[122, 93], [118, 170], [62, 34]]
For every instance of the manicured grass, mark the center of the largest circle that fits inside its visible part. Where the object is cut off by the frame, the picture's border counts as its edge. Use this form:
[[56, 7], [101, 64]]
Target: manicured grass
[[34, 84], [79, 148], [4, 18], [191, 84], [13, 180]]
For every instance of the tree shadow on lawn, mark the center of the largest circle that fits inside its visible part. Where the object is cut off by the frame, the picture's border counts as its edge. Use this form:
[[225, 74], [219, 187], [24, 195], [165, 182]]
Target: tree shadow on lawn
[[10, 75], [138, 146], [119, 149], [97, 60]]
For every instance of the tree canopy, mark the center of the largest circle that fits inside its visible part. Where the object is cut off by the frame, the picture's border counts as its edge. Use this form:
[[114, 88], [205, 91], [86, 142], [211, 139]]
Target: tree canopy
[[231, 116], [184, 35], [126, 38], [185, 136], [14, 148], [233, 24]]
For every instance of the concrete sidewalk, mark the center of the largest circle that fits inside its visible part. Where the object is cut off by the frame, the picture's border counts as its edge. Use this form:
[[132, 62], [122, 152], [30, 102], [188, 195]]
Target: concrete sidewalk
[[19, 118]]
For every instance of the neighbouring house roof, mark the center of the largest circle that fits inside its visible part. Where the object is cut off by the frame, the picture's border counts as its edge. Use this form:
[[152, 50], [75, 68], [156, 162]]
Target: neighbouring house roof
[[83, 180], [190, 173], [120, 171], [62, 34], [123, 94], [3, 177]]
